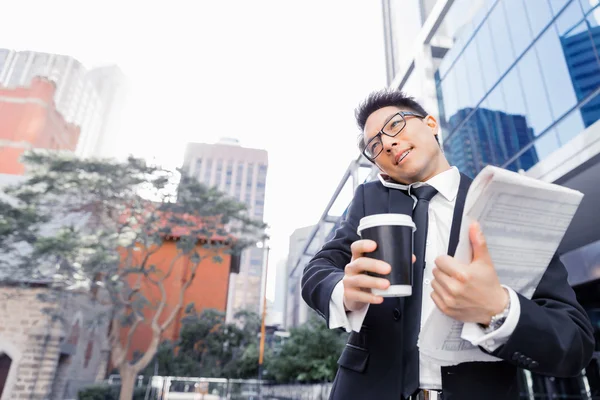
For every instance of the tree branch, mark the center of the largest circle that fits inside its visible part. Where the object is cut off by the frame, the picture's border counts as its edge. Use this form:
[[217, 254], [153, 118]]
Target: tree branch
[[118, 354], [172, 265], [158, 329], [149, 254], [138, 320], [177, 307], [148, 355]]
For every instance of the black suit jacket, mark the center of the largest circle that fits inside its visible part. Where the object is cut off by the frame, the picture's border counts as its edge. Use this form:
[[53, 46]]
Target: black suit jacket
[[553, 335]]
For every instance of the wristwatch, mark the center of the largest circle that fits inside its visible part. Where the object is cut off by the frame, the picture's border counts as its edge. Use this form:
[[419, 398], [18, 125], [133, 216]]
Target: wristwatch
[[497, 320]]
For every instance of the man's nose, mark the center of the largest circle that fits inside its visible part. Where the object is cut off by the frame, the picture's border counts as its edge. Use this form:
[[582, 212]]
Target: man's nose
[[389, 142]]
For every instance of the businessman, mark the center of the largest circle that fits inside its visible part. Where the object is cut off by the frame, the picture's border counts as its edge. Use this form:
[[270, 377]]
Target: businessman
[[547, 334]]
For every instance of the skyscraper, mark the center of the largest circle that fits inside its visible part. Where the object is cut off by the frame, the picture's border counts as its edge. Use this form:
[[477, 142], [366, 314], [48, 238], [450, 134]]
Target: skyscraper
[[296, 312], [241, 173], [276, 308], [489, 137], [109, 85], [584, 68]]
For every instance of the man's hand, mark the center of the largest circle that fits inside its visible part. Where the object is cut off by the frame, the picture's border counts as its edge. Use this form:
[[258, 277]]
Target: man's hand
[[357, 284], [469, 293]]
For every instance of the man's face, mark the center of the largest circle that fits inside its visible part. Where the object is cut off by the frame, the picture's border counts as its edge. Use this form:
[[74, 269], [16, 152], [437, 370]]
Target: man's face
[[424, 158]]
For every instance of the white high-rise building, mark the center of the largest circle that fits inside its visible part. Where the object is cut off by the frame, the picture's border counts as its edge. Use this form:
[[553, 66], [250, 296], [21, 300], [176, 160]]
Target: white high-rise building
[[241, 173], [84, 98], [296, 312], [109, 83], [276, 309]]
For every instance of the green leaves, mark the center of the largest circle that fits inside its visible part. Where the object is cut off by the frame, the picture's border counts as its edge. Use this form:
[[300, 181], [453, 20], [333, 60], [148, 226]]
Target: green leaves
[[210, 347], [310, 354]]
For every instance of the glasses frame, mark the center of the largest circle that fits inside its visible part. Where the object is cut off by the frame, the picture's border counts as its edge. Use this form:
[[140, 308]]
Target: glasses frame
[[402, 114]]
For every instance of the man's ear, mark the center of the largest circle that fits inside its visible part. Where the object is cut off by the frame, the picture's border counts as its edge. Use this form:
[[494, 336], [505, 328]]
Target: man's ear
[[432, 123]]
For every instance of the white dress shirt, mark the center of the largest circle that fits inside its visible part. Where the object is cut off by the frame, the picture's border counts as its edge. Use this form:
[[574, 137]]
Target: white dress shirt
[[441, 211]]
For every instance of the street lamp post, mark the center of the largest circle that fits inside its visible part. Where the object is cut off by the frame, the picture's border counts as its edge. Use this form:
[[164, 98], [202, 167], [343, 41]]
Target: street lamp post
[[262, 323]]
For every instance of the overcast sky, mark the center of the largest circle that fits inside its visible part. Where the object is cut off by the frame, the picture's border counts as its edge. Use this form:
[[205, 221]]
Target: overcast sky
[[280, 75]]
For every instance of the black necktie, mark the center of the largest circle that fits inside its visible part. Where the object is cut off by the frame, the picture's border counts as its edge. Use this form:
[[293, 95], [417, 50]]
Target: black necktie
[[413, 304]]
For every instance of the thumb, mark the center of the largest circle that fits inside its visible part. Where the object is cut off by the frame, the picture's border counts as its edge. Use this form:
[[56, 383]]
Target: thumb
[[478, 243]]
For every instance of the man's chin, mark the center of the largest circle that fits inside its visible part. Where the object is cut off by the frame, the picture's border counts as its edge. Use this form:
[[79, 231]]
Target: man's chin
[[402, 179]]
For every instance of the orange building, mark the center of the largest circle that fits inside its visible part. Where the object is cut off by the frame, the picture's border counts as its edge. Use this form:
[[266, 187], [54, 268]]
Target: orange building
[[207, 290], [29, 120]]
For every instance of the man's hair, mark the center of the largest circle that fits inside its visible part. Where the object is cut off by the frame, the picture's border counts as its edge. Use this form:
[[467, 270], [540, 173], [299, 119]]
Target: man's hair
[[380, 99]]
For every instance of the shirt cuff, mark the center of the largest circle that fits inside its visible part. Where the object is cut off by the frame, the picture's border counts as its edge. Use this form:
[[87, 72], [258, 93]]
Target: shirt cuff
[[338, 317], [473, 333]]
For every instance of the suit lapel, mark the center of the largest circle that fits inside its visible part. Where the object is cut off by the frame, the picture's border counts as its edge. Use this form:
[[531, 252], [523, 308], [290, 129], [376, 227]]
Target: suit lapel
[[459, 206], [399, 202]]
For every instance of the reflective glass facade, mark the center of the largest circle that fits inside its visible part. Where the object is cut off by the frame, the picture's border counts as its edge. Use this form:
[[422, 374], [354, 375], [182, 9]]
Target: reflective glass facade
[[521, 79], [512, 82]]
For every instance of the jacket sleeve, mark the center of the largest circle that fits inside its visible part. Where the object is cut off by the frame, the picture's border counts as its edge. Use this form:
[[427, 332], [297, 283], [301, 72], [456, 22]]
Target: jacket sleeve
[[553, 335], [326, 268]]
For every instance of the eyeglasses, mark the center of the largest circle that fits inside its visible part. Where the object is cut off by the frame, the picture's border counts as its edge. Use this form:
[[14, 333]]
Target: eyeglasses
[[391, 128]]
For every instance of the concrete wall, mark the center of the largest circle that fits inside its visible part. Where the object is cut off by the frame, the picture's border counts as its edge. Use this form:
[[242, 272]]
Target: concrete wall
[[35, 341]]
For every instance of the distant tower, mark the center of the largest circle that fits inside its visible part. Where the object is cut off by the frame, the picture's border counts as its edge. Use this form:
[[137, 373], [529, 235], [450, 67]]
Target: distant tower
[[241, 173]]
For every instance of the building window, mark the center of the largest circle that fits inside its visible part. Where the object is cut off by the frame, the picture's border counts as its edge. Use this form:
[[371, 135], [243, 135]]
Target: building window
[[208, 171], [219, 172], [238, 180], [249, 176], [228, 175], [198, 167]]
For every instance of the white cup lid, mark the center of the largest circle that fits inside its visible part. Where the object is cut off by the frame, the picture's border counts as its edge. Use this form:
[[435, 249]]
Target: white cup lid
[[386, 219]]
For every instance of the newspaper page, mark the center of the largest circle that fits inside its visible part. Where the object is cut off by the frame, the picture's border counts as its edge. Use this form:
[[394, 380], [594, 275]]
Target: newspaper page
[[524, 221]]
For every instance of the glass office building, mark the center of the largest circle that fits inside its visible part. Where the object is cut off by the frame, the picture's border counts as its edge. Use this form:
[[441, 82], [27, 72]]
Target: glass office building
[[515, 83], [515, 62]]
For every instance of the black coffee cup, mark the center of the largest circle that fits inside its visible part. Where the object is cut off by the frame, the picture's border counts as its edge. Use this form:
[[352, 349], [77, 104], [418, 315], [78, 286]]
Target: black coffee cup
[[393, 234]]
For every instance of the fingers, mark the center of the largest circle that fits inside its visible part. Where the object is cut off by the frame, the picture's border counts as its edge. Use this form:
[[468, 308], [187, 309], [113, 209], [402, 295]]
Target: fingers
[[437, 299], [365, 282], [451, 267], [360, 247], [365, 264], [357, 296], [478, 243], [445, 300]]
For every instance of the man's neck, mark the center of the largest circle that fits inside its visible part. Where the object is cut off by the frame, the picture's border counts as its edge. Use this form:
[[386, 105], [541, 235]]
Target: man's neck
[[444, 168], [388, 178]]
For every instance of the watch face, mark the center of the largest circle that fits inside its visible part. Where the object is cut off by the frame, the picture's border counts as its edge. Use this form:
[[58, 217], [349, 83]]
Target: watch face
[[498, 323]]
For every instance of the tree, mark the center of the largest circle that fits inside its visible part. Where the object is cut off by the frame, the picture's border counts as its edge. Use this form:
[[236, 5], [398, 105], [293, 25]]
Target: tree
[[209, 347], [310, 354], [93, 226]]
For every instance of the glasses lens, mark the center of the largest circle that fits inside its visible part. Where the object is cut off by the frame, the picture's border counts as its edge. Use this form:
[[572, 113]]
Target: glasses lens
[[374, 147], [395, 125]]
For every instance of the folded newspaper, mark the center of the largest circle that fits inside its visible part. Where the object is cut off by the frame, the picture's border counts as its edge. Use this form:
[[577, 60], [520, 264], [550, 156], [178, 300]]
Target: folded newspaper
[[524, 221]]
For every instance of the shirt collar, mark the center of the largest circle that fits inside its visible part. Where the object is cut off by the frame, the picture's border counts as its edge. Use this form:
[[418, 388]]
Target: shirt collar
[[445, 182]]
